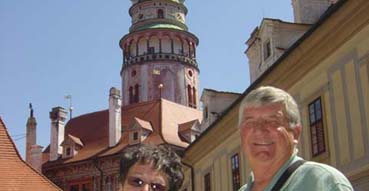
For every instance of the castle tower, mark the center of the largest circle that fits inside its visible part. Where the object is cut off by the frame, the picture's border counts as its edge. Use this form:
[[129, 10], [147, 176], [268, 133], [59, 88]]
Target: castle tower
[[159, 55]]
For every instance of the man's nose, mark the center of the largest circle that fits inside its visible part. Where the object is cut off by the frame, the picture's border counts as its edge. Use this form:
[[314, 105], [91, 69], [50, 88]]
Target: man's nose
[[146, 187], [261, 127]]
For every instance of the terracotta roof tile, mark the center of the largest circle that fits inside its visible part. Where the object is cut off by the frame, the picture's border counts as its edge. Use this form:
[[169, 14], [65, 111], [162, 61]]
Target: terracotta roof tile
[[174, 114], [92, 129], [16, 174], [89, 127], [146, 111]]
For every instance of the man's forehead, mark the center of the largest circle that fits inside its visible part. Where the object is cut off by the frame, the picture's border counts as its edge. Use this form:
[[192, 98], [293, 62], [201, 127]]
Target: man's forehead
[[272, 109], [276, 105]]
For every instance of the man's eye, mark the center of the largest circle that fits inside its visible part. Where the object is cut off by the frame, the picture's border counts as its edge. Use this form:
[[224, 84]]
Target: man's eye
[[158, 187], [250, 124], [273, 123], [137, 182]]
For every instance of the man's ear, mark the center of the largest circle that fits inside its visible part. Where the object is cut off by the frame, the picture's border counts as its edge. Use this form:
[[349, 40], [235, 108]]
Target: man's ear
[[296, 133]]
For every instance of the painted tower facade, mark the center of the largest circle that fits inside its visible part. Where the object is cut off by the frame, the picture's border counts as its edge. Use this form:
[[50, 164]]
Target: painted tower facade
[[159, 55]]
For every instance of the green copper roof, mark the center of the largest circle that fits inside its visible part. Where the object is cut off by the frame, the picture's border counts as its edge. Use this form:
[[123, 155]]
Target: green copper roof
[[159, 26]]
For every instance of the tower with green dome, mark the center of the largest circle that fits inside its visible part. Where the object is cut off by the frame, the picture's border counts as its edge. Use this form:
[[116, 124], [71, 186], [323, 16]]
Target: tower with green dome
[[159, 55]]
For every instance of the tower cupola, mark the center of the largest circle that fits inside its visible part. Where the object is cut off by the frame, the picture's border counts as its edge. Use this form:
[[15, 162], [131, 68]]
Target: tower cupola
[[158, 14]]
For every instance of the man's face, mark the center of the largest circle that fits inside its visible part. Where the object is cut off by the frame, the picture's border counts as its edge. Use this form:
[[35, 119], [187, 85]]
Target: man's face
[[266, 135]]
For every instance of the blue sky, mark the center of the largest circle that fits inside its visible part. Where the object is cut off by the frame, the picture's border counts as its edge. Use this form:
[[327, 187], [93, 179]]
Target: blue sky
[[51, 48]]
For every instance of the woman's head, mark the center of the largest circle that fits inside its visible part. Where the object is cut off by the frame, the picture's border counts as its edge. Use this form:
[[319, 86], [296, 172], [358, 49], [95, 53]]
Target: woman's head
[[157, 167]]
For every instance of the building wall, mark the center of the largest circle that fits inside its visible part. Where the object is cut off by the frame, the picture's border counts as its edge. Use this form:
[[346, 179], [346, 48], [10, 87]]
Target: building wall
[[332, 62], [341, 80], [212, 154], [86, 174], [220, 168]]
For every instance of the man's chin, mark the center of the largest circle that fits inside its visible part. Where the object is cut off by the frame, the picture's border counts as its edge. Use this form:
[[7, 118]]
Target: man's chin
[[262, 156]]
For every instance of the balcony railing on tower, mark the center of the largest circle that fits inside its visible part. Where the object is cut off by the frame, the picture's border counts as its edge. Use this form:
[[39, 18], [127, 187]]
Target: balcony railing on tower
[[186, 59]]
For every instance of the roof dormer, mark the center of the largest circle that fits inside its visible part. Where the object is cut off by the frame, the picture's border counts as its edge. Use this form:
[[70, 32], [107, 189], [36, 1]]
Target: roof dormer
[[189, 131], [269, 41], [139, 130], [71, 145]]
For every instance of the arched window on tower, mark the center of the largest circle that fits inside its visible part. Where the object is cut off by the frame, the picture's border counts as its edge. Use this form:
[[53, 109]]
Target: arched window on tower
[[190, 50], [137, 93], [189, 94], [130, 94], [160, 14], [194, 97]]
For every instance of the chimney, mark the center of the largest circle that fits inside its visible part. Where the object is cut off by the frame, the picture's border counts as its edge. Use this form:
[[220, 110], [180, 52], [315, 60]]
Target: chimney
[[309, 11], [30, 134], [36, 157], [115, 124], [57, 116]]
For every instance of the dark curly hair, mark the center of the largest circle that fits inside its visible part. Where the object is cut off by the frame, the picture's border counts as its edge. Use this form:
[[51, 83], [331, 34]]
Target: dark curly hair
[[161, 157]]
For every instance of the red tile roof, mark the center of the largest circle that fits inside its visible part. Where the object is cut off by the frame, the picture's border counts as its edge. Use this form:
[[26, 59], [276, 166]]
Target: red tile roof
[[162, 116], [89, 127], [16, 174], [174, 114]]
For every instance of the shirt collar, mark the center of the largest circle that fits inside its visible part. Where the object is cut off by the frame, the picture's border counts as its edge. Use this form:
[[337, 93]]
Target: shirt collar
[[279, 173]]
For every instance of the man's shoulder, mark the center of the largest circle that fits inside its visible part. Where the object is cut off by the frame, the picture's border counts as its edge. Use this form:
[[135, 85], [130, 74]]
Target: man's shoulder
[[320, 168], [243, 188], [320, 176]]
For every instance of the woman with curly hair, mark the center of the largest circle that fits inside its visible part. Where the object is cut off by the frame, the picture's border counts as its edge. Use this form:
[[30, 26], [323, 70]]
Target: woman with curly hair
[[148, 167]]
